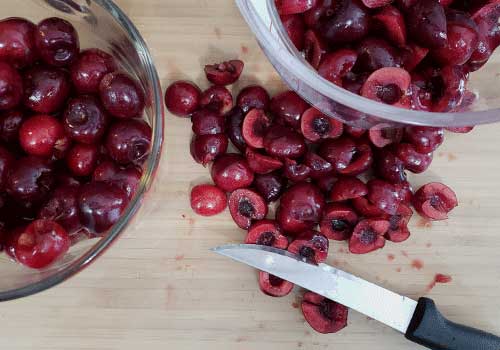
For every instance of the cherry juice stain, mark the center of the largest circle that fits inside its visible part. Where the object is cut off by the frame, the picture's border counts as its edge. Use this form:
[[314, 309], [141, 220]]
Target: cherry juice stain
[[179, 257], [404, 253], [295, 305], [244, 49], [391, 257], [398, 269], [217, 32], [417, 264], [439, 278], [424, 223]]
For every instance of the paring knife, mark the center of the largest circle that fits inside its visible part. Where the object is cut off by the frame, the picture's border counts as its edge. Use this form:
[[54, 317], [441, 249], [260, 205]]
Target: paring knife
[[420, 322]]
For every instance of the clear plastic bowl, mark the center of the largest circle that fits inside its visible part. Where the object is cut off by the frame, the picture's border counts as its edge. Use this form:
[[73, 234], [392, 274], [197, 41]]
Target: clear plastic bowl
[[264, 21], [101, 24]]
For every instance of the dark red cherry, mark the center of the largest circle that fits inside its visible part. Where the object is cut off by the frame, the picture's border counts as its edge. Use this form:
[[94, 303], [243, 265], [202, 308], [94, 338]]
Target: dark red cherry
[[89, 69], [85, 119], [121, 95], [57, 42], [17, 42], [46, 89], [129, 141]]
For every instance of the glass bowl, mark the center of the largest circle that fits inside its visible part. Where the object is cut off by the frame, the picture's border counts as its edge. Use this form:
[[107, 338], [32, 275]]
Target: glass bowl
[[101, 24], [264, 21]]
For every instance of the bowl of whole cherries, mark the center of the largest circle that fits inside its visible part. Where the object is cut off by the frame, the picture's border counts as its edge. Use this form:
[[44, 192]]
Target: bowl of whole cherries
[[81, 128], [329, 160]]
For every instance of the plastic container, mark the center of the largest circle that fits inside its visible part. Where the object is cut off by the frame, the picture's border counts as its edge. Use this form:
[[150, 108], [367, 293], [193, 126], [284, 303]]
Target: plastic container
[[100, 23], [264, 21]]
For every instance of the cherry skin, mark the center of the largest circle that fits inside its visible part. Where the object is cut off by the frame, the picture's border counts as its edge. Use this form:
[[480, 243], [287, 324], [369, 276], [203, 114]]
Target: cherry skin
[[182, 98], [17, 42], [81, 159], [62, 207], [121, 95], [125, 178], [129, 141], [11, 87], [89, 69], [57, 42], [85, 119], [41, 135]]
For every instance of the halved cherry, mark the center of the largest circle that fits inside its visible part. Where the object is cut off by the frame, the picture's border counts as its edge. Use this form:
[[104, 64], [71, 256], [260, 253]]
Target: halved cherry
[[354, 131], [295, 28], [274, 286], [394, 24], [235, 119], [246, 205], [324, 315], [268, 233], [270, 186], [253, 96], [368, 235], [316, 126], [346, 156], [461, 44], [296, 172], [390, 167], [434, 201], [288, 7], [310, 245], [384, 134], [288, 106], [224, 73], [413, 161], [325, 183], [376, 3], [388, 85], [284, 142], [486, 19], [314, 48], [383, 195], [260, 163], [348, 187], [398, 225], [366, 208], [319, 166], [425, 139], [254, 127], [335, 65], [412, 55], [217, 98], [404, 191], [338, 221]]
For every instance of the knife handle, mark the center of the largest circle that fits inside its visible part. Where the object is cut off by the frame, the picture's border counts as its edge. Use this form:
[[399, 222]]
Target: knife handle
[[431, 329]]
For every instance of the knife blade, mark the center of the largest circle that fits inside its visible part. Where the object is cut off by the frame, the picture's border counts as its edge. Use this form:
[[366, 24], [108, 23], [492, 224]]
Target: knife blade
[[420, 321]]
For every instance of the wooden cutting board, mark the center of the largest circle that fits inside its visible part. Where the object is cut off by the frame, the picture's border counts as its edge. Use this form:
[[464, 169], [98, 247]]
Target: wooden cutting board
[[160, 288]]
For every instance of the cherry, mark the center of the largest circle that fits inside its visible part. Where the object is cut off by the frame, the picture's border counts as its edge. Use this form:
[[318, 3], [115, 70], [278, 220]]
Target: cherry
[[246, 205], [346, 188], [388, 85], [129, 141], [42, 135], [254, 128], [375, 53], [434, 201], [349, 21], [319, 167], [366, 208], [81, 159], [398, 225], [17, 42], [413, 161], [225, 73], [394, 24], [325, 183], [288, 7], [121, 95], [6, 161], [314, 48], [404, 192], [289, 107], [268, 233], [127, 179], [85, 119], [324, 315], [206, 148], [346, 156], [11, 87], [317, 12], [295, 28], [57, 42], [376, 3], [310, 245], [101, 205], [45, 89], [284, 142], [231, 172], [260, 163], [182, 98], [486, 19], [300, 208], [89, 69], [336, 65], [338, 221], [368, 235], [383, 195], [208, 122], [426, 21], [412, 55], [39, 244], [316, 126], [62, 208], [274, 286], [384, 134], [296, 172], [390, 167], [354, 131], [424, 139], [253, 96], [270, 186], [30, 180], [208, 200], [217, 98], [10, 123], [235, 119]]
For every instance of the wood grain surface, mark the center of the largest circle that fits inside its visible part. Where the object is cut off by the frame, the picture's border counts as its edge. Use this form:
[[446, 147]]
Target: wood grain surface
[[159, 287]]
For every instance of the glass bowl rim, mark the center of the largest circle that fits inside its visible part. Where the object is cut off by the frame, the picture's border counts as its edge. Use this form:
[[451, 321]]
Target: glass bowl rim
[[294, 62], [149, 172]]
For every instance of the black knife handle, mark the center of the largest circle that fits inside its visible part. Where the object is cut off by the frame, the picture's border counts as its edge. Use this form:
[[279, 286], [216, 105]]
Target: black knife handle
[[431, 329]]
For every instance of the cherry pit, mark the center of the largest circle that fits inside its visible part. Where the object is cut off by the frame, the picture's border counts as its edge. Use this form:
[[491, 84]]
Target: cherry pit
[[72, 140]]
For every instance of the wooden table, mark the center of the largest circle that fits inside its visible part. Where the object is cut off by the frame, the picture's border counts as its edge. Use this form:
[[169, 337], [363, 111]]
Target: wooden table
[[160, 288]]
